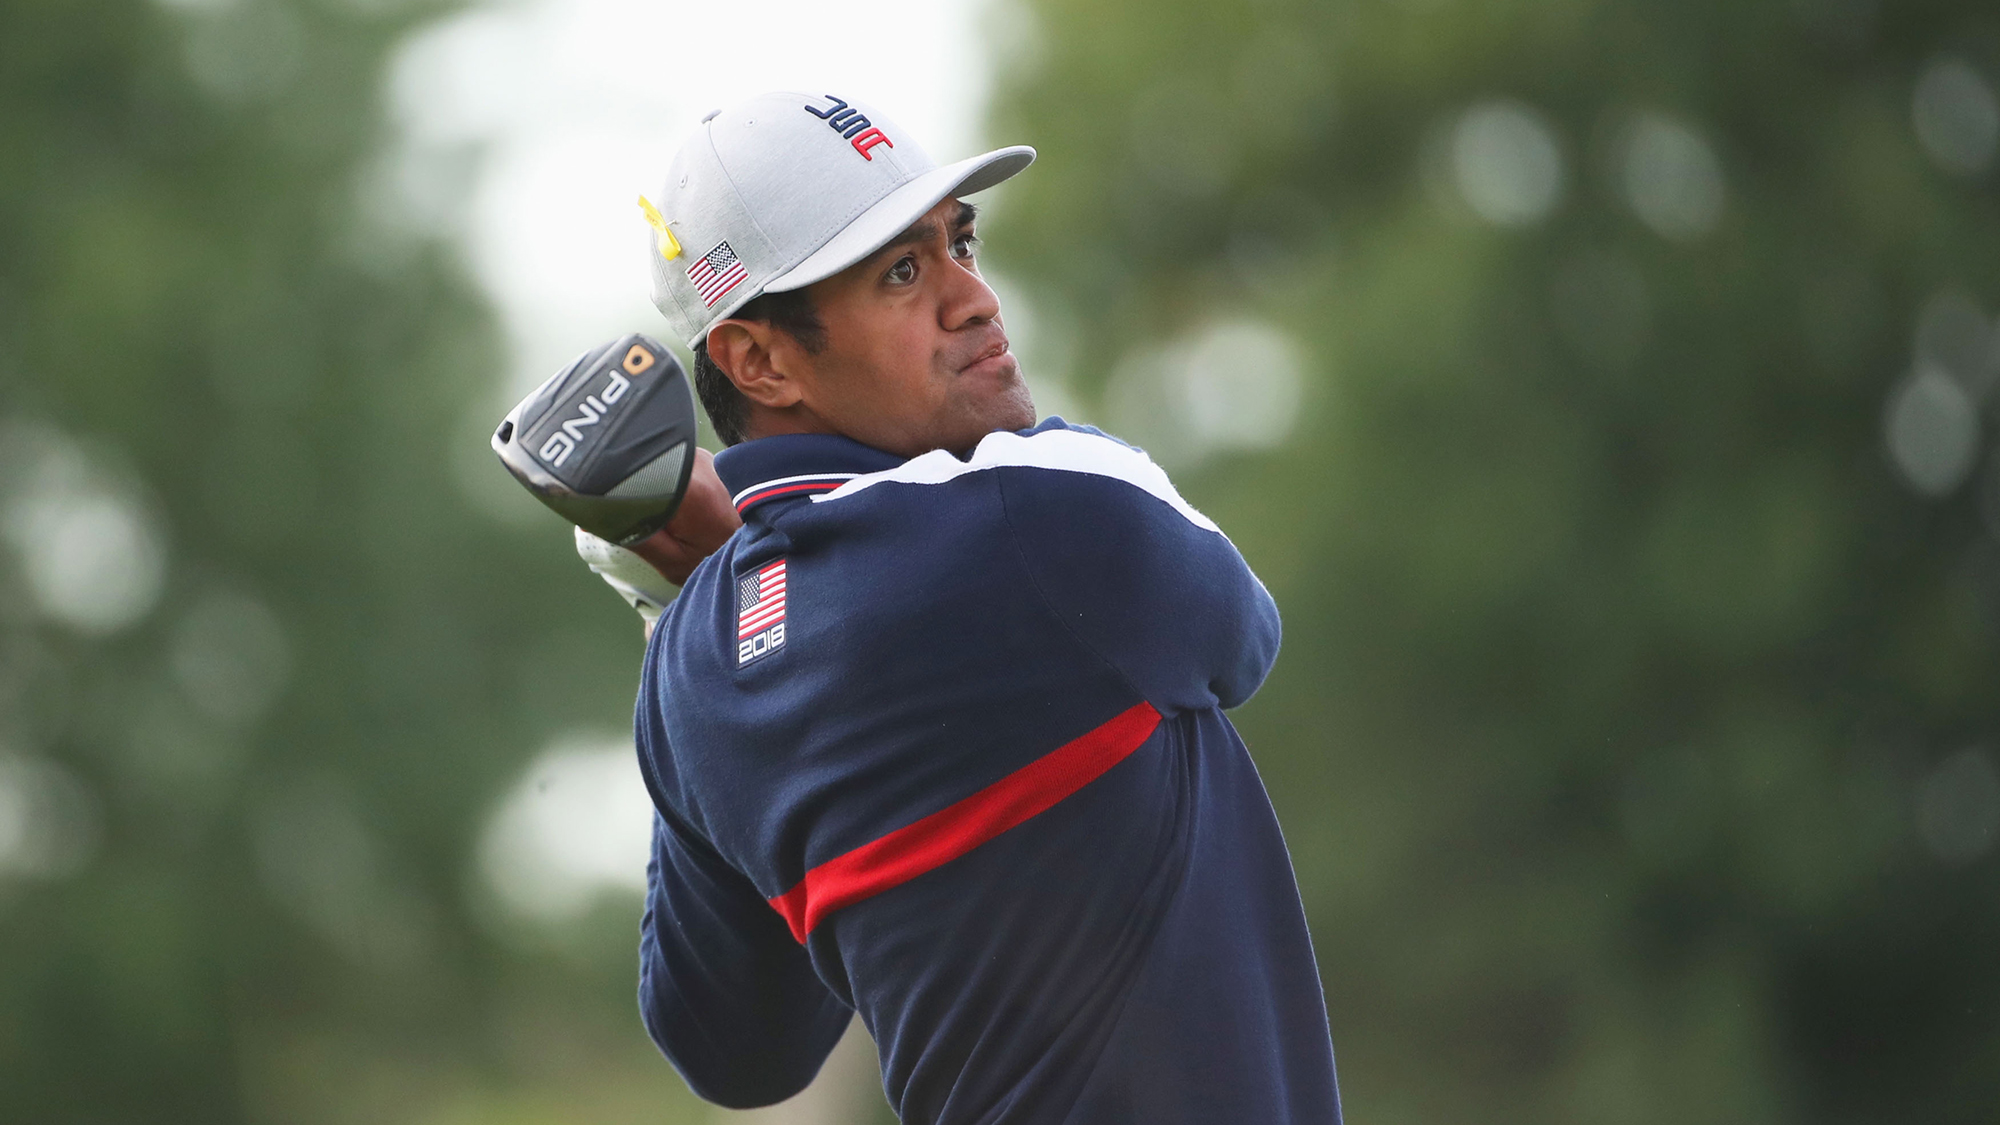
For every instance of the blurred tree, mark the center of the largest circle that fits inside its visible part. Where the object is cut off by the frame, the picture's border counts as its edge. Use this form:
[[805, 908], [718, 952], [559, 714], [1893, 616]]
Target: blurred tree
[[262, 670], [1632, 729]]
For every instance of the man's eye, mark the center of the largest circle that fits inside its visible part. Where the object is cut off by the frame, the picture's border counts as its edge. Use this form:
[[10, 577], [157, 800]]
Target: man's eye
[[904, 271], [963, 245]]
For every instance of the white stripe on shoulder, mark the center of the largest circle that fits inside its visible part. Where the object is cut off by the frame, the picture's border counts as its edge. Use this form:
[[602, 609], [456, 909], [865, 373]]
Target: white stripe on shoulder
[[1067, 451]]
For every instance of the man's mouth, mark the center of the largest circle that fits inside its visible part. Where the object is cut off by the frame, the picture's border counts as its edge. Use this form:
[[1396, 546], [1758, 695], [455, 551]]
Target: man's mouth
[[995, 351]]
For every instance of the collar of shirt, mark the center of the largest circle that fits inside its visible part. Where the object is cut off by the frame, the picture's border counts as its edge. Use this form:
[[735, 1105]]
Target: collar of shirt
[[795, 466]]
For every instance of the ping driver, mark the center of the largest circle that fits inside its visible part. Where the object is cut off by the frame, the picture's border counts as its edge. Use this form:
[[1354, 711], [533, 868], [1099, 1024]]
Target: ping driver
[[608, 442]]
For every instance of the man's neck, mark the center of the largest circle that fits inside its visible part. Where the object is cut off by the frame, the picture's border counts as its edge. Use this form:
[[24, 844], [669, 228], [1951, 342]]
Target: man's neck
[[765, 421]]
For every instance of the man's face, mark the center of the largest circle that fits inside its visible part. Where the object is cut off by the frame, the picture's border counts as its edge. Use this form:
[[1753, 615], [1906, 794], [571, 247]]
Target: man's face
[[915, 357]]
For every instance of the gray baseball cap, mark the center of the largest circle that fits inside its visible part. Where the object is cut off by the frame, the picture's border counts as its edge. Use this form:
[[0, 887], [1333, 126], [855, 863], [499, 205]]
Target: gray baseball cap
[[785, 189]]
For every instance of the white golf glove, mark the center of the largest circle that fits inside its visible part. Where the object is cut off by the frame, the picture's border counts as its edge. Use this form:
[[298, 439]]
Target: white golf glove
[[642, 587]]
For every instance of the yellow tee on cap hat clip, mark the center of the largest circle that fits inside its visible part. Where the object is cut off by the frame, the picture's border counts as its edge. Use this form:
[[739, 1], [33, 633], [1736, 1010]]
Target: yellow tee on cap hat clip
[[670, 247]]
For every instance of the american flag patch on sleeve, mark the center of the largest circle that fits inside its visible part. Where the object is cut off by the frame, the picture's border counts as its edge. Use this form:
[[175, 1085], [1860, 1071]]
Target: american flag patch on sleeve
[[716, 273], [760, 613]]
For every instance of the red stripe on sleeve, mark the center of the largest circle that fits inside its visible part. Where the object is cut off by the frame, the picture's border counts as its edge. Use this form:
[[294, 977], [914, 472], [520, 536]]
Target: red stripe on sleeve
[[952, 831]]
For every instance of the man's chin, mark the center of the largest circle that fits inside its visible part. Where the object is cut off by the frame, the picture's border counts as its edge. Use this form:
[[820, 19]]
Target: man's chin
[[1009, 413], [1000, 393], [980, 399]]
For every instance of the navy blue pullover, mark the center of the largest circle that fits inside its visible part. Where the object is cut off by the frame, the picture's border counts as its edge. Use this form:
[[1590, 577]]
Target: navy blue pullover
[[942, 742]]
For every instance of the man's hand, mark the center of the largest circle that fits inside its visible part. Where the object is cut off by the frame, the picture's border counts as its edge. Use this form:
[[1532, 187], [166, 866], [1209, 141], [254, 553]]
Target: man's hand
[[700, 526]]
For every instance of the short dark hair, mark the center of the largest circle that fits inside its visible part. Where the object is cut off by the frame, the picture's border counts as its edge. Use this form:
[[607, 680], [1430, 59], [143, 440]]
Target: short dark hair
[[790, 312]]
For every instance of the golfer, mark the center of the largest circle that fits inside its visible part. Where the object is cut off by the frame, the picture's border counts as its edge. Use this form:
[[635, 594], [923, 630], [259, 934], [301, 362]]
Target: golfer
[[937, 735]]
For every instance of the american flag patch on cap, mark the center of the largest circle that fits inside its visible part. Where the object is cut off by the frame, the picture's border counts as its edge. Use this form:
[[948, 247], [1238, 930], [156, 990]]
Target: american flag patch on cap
[[716, 273], [760, 613]]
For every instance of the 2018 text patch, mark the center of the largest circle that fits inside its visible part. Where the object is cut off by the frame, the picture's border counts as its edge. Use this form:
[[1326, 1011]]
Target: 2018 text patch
[[760, 613]]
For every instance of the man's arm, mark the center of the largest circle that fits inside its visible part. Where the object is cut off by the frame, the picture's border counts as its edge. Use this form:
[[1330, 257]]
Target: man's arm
[[1137, 575], [726, 994], [703, 522], [648, 573]]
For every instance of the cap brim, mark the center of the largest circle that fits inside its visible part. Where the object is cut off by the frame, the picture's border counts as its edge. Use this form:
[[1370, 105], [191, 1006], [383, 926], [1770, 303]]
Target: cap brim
[[895, 212]]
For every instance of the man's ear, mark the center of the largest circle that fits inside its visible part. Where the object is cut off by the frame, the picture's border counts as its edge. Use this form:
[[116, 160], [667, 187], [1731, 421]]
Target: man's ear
[[758, 358]]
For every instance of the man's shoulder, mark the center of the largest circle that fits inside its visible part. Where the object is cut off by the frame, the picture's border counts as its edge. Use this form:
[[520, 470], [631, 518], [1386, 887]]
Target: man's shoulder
[[707, 587]]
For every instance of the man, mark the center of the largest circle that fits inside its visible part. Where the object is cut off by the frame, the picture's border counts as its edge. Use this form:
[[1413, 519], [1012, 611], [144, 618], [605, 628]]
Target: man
[[937, 734]]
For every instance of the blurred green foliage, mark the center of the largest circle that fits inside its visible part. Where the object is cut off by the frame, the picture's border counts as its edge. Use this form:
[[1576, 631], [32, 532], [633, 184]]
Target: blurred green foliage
[[1641, 591], [276, 923], [1618, 731]]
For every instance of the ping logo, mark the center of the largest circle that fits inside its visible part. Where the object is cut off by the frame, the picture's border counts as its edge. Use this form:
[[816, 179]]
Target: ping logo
[[852, 124], [594, 407]]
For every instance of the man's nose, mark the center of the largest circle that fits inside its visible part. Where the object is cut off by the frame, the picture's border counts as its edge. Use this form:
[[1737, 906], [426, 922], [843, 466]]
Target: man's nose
[[968, 302]]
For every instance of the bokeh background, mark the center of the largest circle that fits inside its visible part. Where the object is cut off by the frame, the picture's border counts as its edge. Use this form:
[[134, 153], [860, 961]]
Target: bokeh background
[[1604, 389]]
